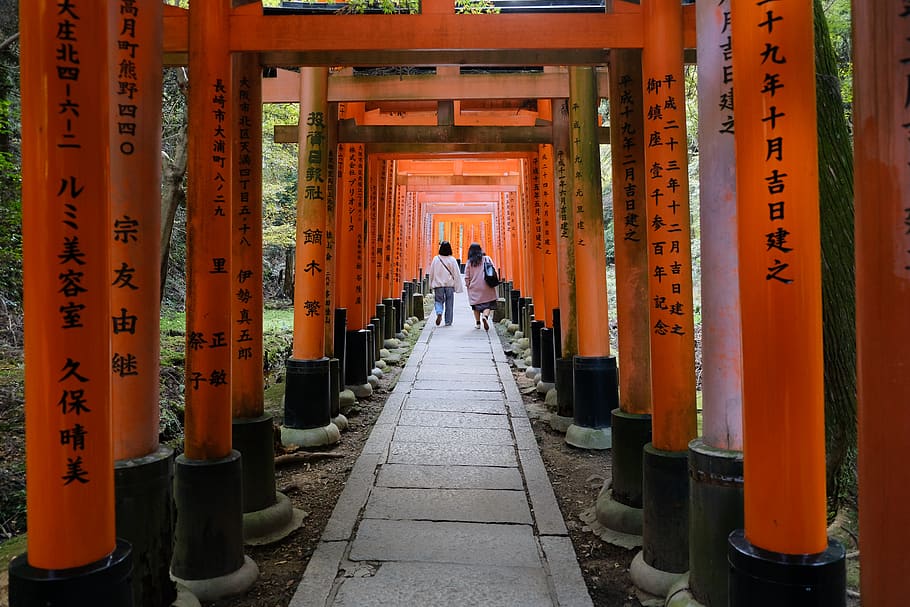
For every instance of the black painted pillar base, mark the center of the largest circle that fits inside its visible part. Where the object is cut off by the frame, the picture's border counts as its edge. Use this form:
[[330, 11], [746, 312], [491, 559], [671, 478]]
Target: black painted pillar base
[[340, 339], [565, 396], [665, 512], [760, 577], [144, 503], [399, 317], [536, 326], [384, 328], [547, 354], [715, 511], [208, 543], [307, 404], [356, 367], [418, 306], [267, 514], [515, 302], [104, 582], [596, 382], [620, 508], [335, 395]]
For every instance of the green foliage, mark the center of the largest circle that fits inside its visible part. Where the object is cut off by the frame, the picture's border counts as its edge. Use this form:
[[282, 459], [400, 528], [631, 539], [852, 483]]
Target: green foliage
[[474, 7], [10, 207], [279, 177], [838, 18]]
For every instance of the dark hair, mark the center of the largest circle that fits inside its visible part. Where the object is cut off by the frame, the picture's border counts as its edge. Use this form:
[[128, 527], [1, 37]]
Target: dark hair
[[475, 254], [445, 248]]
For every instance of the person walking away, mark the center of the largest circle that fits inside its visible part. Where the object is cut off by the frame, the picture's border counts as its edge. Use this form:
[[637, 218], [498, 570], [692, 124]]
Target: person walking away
[[481, 296], [445, 280]]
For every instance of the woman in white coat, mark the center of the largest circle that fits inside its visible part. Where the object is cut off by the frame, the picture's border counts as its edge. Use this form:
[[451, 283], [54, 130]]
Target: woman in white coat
[[445, 280]]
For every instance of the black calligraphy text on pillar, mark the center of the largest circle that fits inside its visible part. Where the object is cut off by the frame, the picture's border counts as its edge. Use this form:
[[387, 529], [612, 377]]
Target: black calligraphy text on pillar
[[632, 215], [314, 191], [546, 190], [220, 268], [330, 193], [563, 194], [245, 339], [667, 198], [725, 101], [535, 186], [904, 14], [72, 196], [127, 230], [777, 240]]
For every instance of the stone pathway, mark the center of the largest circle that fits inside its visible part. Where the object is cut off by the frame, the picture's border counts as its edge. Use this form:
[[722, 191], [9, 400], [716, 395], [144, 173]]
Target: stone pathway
[[449, 502]]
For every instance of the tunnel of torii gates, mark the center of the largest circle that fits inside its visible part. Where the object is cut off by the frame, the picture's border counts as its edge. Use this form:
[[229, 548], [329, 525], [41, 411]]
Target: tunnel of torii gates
[[389, 166]]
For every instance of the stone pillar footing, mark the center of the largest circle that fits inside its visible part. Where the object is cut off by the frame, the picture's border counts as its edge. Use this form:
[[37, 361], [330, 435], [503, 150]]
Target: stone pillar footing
[[680, 594], [651, 580], [596, 382], [665, 519], [144, 497], [271, 524], [104, 582], [618, 517], [254, 438], [311, 437], [762, 577], [716, 509], [232, 584], [208, 543], [560, 423]]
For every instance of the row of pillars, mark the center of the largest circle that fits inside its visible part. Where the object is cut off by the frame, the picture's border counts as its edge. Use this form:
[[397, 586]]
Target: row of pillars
[[101, 489], [90, 334]]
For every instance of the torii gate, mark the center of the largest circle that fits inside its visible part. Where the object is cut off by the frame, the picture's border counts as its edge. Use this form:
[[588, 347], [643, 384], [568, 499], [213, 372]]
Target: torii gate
[[65, 131]]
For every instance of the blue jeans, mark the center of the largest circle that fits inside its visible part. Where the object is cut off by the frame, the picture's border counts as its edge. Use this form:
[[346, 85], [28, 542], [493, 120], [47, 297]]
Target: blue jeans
[[444, 297]]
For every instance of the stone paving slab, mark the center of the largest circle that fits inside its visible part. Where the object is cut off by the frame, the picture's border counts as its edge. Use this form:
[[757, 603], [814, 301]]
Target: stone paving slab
[[452, 393], [452, 419], [461, 385], [432, 542], [461, 436], [466, 505], [452, 404], [452, 455], [432, 585], [442, 477], [320, 573], [460, 370], [564, 572]]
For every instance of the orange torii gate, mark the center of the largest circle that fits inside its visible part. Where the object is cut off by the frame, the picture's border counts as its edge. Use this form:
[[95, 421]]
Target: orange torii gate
[[206, 37]]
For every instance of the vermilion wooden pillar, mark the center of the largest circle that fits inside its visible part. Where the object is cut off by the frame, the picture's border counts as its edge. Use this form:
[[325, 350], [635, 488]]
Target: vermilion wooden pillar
[[595, 378], [307, 397], [350, 255], [246, 243], [784, 553], [620, 506], [67, 261], [268, 515], [535, 241], [566, 336], [143, 470], [208, 558], [882, 157], [549, 229], [665, 482], [717, 507]]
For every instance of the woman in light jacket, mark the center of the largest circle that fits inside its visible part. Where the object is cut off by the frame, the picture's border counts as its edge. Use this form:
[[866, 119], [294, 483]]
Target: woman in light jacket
[[481, 296], [445, 280]]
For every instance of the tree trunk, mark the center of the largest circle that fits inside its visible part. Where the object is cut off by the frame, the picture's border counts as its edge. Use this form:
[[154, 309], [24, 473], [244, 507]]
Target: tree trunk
[[287, 288], [173, 194], [835, 162]]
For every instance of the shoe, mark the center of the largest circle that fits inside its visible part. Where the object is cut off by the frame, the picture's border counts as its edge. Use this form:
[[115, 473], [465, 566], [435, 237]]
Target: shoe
[[486, 325], [438, 319], [477, 325]]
